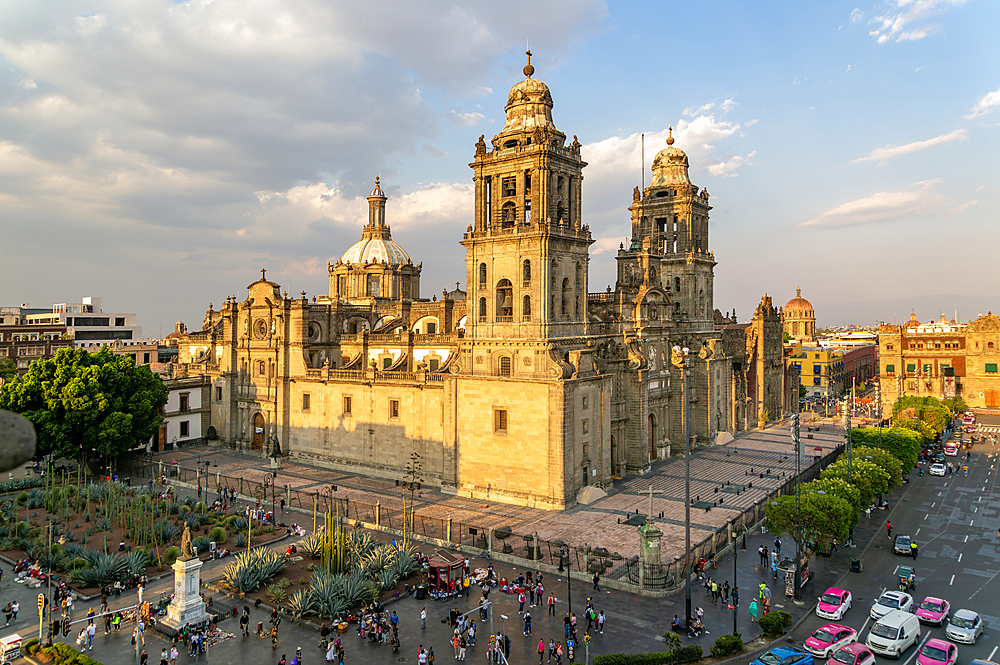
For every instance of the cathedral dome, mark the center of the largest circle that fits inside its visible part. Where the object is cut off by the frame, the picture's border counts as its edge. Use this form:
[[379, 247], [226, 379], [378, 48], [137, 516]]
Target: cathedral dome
[[376, 250], [798, 304], [670, 166], [529, 105], [912, 323]]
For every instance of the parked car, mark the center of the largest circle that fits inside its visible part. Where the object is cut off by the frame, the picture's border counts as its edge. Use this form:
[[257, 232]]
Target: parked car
[[833, 603], [937, 652], [827, 639], [852, 654], [889, 601], [933, 610], [784, 656], [965, 626]]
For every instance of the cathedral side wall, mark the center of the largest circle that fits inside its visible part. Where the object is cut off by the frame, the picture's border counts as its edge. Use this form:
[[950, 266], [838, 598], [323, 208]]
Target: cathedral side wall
[[525, 465], [370, 436]]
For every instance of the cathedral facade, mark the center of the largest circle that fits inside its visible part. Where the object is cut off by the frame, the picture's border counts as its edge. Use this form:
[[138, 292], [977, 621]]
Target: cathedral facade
[[526, 387]]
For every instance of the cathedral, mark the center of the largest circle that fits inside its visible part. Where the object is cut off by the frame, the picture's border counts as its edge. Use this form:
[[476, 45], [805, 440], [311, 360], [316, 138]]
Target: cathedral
[[526, 387]]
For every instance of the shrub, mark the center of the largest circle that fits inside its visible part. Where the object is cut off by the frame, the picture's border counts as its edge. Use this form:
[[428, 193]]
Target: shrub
[[218, 535], [241, 540], [727, 645], [688, 654], [199, 507], [170, 555], [774, 624], [30, 647]]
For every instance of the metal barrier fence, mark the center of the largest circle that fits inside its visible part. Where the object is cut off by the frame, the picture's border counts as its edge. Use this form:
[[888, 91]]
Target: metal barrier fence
[[582, 557]]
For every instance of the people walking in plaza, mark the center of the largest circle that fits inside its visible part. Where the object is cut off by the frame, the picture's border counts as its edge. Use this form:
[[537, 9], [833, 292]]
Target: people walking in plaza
[[173, 655], [888, 529], [91, 631], [520, 603], [725, 592], [552, 596], [164, 657], [597, 581], [541, 651], [552, 650], [761, 555], [777, 546], [423, 617], [600, 622], [752, 610], [527, 623], [736, 596], [715, 592], [8, 614]]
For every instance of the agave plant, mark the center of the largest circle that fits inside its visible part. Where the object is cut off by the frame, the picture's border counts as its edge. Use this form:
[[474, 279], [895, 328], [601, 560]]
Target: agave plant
[[253, 568], [36, 499], [360, 543], [299, 603], [241, 539], [164, 531], [201, 544], [386, 579], [376, 561], [107, 569], [312, 545], [275, 593], [136, 562], [358, 590], [326, 595]]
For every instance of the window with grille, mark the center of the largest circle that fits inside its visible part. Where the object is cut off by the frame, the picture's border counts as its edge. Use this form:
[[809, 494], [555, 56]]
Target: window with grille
[[185, 401], [500, 421], [185, 428], [305, 401], [505, 366], [482, 275], [394, 408], [218, 394], [347, 405]]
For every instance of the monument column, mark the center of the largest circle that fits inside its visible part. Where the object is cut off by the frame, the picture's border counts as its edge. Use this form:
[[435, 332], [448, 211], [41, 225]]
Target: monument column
[[187, 607]]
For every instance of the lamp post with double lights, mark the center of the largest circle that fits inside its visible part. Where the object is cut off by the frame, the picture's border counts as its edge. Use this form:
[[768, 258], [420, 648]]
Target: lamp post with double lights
[[564, 552], [681, 359], [735, 529], [269, 482]]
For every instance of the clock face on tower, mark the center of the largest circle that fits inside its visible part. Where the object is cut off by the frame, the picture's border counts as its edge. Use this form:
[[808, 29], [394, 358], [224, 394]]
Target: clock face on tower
[[260, 328]]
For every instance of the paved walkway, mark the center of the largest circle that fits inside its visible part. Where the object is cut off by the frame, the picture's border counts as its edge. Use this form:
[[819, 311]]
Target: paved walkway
[[742, 462]]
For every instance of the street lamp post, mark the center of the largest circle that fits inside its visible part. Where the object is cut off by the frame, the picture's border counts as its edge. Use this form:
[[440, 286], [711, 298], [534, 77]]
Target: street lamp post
[[564, 550], [796, 441], [682, 360], [735, 558]]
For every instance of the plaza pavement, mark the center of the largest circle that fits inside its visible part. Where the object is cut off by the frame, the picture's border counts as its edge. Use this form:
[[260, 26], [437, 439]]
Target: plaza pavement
[[600, 524]]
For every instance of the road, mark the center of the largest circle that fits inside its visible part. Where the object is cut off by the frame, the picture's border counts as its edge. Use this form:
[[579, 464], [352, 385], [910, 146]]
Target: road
[[954, 521]]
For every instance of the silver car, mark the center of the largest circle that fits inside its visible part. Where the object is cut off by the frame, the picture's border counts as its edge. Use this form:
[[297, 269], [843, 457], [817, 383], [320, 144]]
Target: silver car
[[965, 626]]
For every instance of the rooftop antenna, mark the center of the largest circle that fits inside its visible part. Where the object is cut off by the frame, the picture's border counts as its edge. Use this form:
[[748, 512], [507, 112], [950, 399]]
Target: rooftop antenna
[[642, 168]]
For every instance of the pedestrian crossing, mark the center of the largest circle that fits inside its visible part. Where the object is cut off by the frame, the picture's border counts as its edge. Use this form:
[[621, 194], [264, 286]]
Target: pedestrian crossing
[[988, 430]]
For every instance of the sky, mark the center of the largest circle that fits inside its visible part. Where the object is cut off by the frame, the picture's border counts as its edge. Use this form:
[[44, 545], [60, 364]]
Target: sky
[[159, 154]]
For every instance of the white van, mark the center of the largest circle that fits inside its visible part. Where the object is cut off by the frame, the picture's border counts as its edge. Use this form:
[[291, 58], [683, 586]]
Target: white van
[[894, 633]]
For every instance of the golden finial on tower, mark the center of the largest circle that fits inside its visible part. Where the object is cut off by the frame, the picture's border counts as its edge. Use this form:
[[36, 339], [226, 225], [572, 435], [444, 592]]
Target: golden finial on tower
[[670, 135]]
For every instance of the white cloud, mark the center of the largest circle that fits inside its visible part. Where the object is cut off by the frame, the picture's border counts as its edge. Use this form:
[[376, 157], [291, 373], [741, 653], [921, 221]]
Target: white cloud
[[609, 244], [857, 15], [751, 123], [467, 119], [963, 207], [848, 68], [27, 84], [729, 167], [883, 206], [907, 20], [882, 154], [990, 102], [729, 104]]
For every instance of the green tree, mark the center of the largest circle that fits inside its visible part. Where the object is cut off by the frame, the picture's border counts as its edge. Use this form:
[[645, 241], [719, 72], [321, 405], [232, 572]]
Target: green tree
[[867, 476], [839, 487], [87, 406], [929, 412], [955, 404], [905, 444], [803, 391], [825, 518], [787, 336], [8, 370], [889, 462]]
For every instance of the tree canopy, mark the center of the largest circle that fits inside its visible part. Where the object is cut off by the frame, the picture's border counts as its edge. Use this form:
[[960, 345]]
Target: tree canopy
[[904, 444], [839, 487], [87, 406], [886, 460], [926, 415], [867, 476], [8, 370], [825, 518]]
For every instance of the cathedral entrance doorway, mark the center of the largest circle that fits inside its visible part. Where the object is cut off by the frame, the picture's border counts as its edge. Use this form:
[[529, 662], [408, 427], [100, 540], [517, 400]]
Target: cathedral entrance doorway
[[652, 437], [258, 431]]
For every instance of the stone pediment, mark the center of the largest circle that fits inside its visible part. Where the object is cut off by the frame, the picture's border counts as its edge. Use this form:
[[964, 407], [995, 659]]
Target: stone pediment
[[990, 322]]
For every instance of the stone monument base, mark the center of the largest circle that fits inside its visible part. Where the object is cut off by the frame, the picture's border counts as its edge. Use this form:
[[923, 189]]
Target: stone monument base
[[187, 607]]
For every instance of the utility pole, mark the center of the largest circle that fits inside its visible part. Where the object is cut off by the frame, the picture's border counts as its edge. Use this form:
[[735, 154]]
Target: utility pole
[[797, 442]]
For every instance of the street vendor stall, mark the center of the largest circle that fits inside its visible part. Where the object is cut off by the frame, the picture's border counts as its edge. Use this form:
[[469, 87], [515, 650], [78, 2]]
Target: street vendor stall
[[444, 568], [10, 648]]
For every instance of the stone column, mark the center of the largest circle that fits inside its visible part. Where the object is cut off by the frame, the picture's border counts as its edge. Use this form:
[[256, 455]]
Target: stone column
[[649, 546]]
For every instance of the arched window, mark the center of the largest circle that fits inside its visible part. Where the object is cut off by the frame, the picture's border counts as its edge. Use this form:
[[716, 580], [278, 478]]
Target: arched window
[[565, 297], [677, 284], [560, 212], [526, 308], [504, 367], [554, 272], [260, 368], [508, 215], [505, 300], [482, 310], [576, 308], [579, 277], [527, 273], [482, 275]]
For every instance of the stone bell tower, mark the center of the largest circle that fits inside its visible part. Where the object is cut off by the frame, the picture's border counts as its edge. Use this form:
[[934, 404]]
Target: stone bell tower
[[527, 253]]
